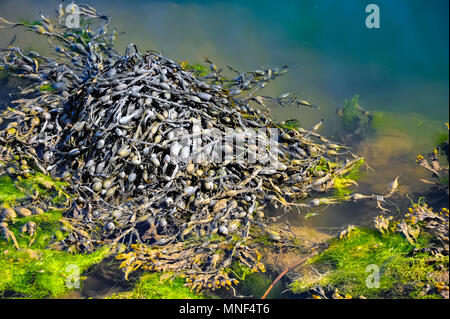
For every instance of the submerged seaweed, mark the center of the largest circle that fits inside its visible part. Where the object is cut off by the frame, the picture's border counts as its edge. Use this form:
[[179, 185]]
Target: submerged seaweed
[[90, 155], [407, 263], [32, 265], [437, 166]]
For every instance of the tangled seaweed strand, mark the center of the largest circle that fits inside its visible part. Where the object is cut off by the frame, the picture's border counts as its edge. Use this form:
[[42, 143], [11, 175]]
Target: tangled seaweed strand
[[129, 133]]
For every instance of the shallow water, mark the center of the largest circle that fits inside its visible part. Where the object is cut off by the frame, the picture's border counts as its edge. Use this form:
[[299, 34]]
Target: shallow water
[[400, 69]]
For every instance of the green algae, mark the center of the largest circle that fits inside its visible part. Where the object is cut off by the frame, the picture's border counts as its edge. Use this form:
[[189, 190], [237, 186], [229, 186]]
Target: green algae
[[256, 284], [39, 270], [292, 125], [46, 88], [30, 23], [23, 188], [8, 191], [444, 180], [46, 277], [157, 286], [341, 183], [356, 120], [441, 139], [239, 270], [41, 184], [378, 120], [344, 265], [413, 125], [251, 283], [323, 165], [354, 173], [35, 270], [351, 113], [197, 68], [40, 273], [168, 286], [354, 116], [341, 187]]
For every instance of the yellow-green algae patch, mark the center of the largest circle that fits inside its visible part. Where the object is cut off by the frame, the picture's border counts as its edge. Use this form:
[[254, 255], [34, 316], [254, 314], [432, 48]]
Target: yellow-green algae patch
[[42, 273], [36, 270], [36, 184], [344, 265], [157, 286]]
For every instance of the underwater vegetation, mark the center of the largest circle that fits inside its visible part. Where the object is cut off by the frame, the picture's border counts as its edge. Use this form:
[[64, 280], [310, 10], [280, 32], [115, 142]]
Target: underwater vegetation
[[435, 165], [357, 123], [38, 272], [132, 135], [342, 183], [157, 286], [409, 255], [195, 68]]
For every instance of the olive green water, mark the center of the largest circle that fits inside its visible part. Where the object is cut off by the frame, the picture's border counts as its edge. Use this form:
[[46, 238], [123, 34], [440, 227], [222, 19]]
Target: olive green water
[[400, 69]]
